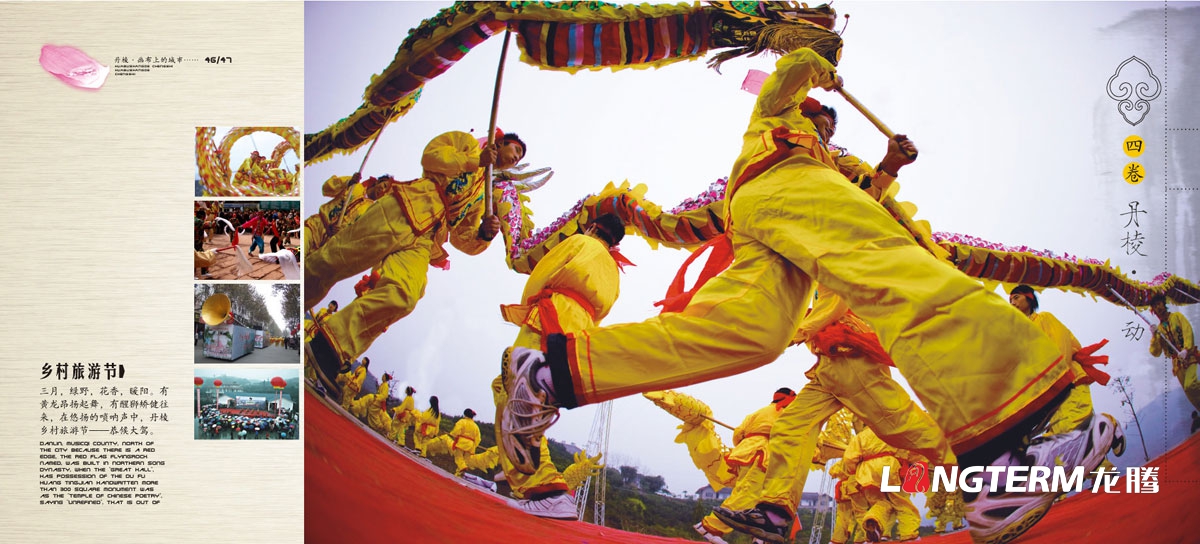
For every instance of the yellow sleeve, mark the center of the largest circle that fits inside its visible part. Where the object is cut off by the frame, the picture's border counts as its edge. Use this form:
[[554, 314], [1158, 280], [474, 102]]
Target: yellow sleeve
[[1156, 347], [740, 432], [1181, 324], [451, 154], [1062, 337], [795, 74], [852, 454], [827, 308]]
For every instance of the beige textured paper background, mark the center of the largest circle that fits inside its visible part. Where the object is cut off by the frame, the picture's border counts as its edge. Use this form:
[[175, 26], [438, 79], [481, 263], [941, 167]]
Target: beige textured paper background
[[95, 243]]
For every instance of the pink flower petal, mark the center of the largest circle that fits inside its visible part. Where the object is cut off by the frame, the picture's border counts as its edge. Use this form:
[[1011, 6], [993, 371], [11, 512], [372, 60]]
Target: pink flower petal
[[73, 67]]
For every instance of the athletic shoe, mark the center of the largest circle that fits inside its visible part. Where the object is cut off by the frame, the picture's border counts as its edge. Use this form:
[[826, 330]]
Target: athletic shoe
[[708, 535], [560, 506], [756, 522], [873, 531], [528, 412], [999, 517]]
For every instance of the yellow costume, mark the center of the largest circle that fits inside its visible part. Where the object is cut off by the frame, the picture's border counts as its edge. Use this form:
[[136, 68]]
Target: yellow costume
[[330, 217], [310, 325], [845, 523], [376, 408], [429, 424], [402, 233], [793, 219], [866, 455], [843, 377], [464, 438], [404, 418], [749, 458], [572, 288], [351, 383], [1076, 409], [1179, 331]]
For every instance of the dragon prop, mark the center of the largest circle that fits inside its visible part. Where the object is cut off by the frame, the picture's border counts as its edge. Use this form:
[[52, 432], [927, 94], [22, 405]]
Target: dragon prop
[[218, 178], [572, 36], [698, 220]]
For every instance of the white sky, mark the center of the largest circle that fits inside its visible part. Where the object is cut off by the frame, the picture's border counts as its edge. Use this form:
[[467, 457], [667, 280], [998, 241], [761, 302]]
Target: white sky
[[274, 303], [1019, 145]]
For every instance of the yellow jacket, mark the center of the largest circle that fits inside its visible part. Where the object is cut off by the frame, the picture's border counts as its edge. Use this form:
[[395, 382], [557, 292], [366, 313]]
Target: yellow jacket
[[751, 437], [866, 455], [377, 414], [580, 277], [777, 112], [1062, 337], [406, 412], [465, 435], [429, 423], [450, 193], [1178, 330]]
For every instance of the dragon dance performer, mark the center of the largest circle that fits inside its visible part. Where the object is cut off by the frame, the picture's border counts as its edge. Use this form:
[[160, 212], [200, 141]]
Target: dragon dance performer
[[749, 459], [351, 381], [462, 441], [791, 220], [852, 372], [572, 288], [402, 234], [310, 324], [1076, 410], [404, 417], [374, 406], [851, 506], [866, 455], [429, 424], [1178, 331]]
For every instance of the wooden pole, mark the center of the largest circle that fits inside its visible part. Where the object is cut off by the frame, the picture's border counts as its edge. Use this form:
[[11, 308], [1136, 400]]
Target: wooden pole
[[870, 116], [491, 133]]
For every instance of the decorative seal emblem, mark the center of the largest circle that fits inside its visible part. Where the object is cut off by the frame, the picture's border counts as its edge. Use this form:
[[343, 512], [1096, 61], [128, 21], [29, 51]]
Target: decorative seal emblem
[[1133, 77]]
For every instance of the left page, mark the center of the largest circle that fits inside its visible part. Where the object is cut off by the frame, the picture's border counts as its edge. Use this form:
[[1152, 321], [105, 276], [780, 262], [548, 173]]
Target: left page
[[101, 438]]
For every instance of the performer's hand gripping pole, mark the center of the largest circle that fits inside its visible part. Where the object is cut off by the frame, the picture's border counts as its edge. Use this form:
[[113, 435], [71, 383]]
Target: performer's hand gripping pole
[[870, 116]]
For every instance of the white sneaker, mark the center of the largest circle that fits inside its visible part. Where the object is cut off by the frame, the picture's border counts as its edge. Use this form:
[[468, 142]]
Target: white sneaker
[[560, 506], [708, 535], [999, 517], [525, 416]]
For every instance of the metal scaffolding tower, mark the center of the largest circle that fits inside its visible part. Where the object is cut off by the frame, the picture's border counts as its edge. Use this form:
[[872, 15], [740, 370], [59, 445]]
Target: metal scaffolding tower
[[825, 490], [597, 442]]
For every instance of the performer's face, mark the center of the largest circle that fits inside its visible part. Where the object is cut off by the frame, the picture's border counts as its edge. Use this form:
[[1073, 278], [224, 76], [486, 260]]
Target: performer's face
[[1021, 302], [825, 127], [1160, 310], [508, 155]]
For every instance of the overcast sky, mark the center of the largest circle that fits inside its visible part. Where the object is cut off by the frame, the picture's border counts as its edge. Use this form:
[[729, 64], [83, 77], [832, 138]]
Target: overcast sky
[[1019, 144]]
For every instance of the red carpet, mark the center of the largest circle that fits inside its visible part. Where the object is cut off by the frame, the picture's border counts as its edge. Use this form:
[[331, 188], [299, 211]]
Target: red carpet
[[358, 488]]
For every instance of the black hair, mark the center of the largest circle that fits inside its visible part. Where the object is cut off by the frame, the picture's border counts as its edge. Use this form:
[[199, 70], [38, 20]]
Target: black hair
[[433, 404], [786, 391], [1156, 298], [409, 390], [1026, 290], [832, 113], [610, 228], [334, 303], [512, 137], [469, 413], [366, 362]]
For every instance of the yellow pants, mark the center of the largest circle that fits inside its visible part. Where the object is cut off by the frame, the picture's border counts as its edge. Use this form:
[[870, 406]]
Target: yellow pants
[[428, 445], [884, 505], [545, 479], [866, 389], [1072, 413], [381, 236], [745, 495], [844, 524], [1191, 384], [973, 360]]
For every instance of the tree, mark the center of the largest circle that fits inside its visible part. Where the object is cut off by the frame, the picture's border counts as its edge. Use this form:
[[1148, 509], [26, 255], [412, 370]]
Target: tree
[[290, 293], [630, 476], [653, 484]]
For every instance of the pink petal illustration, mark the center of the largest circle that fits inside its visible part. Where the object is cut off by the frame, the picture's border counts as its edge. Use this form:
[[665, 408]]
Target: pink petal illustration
[[73, 67]]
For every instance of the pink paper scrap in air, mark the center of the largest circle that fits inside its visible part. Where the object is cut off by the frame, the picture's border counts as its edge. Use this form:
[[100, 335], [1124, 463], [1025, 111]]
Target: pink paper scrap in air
[[754, 81], [73, 67]]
